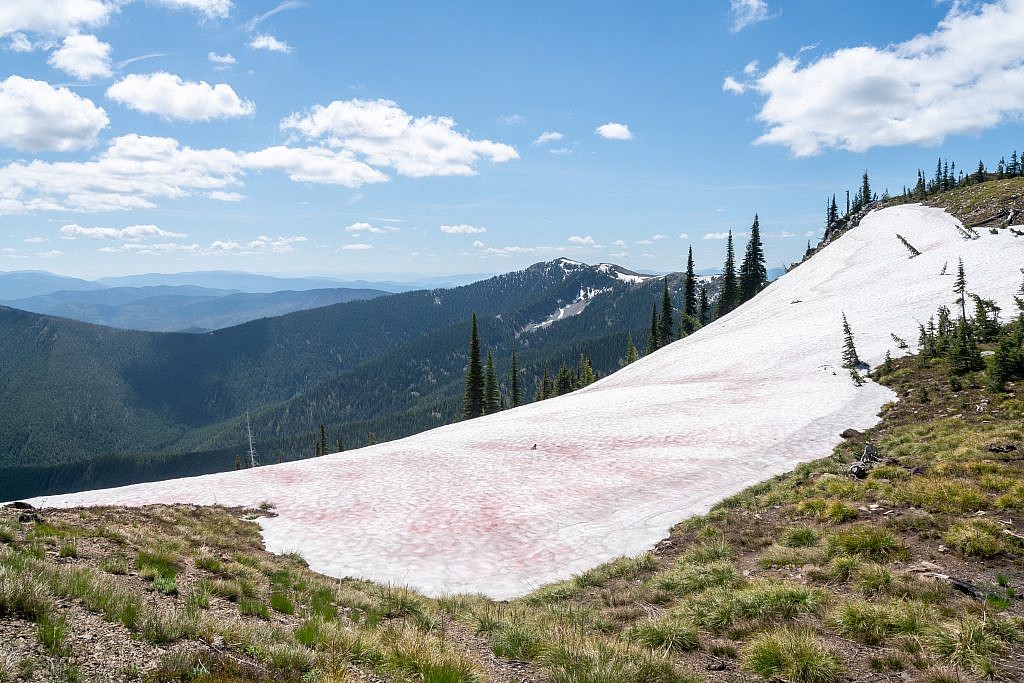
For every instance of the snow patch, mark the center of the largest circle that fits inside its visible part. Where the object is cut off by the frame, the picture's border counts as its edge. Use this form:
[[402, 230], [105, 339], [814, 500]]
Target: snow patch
[[578, 305], [472, 507]]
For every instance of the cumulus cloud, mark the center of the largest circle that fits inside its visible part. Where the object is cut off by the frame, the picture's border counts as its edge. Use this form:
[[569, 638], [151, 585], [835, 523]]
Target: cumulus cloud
[[39, 117], [560, 151], [82, 56], [747, 12], [222, 196], [372, 229], [54, 17], [211, 9], [316, 165], [684, 236], [277, 245], [382, 134], [586, 241], [132, 233], [357, 246], [36, 240], [548, 136], [716, 235], [265, 41], [221, 61], [659, 236], [172, 98], [614, 131], [645, 242], [963, 77], [261, 245], [730, 84], [462, 229]]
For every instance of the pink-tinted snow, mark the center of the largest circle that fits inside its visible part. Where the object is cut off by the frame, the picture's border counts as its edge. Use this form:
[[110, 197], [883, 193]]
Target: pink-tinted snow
[[471, 507]]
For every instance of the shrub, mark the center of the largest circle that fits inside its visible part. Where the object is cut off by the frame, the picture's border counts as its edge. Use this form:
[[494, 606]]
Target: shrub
[[799, 537], [975, 538], [866, 541], [791, 655]]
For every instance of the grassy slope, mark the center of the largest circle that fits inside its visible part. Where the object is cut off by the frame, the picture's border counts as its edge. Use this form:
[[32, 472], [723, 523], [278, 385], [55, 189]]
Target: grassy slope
[[810, 576]]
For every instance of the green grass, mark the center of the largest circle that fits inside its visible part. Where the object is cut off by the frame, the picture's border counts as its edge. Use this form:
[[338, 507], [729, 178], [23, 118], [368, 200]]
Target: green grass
[[68, 548], [671, 632], [115, 563], [799, 537], [53, 634], [253, 607], [519, 641], [280, 602], [761, 601], [796, 656], [976, 538], [866, 541], [685, 577]]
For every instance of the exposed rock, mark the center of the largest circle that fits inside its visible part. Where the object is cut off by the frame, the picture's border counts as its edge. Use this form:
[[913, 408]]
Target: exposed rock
[[851, 434]]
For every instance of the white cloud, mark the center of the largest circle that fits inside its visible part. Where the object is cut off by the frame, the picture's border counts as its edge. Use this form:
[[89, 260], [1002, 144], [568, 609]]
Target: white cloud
[[747, 12], [560, 151], [256, 247], [751, 68], [383, 134], [316, 165], [462, 229], [478, 244], [172, 98], [268, 42], [222, 196], [53, 253], [82, 56], [614, 131], [518, 250], [659, 236], [36, 240], [277, 245], [716, 235], [512, 119], [964, 77], [132, 233], [211, 9], [684, 236], [260, 18], [372, 229], [645, 242], [548, 136], [357, 246], [19, 42], [619, 243], [730, 84], [587, 241], [53, 17], [222, 61], [37, 116]]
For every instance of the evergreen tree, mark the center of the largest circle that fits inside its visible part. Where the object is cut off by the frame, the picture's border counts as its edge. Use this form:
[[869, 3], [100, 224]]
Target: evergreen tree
[[689, 292], [631, 353], [492, 395], [833, 212], [565, 382], [652, 334], [547, 387], [753, 274], [960, 287], [1002, 365], [964, 355], [986, 318], [587, 376], [865, 190], [979, 175], [238, 463], [473, 404], [728, 299], [322, 443], [665, 321], [851, 360], [514, 389], [371, 439], [704, 306]]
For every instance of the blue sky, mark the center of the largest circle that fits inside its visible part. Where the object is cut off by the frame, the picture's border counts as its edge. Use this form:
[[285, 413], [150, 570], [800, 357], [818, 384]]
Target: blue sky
[[405, 138]]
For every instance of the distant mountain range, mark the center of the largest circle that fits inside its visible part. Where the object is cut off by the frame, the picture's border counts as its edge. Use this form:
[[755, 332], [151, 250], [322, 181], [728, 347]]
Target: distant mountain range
[[189, 302], [97, 405]]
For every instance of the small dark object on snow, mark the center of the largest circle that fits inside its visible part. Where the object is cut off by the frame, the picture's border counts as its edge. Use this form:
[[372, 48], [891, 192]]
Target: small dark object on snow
[[1002, 448], [534, 447], [20, 505], [26, 517], [850, 434]]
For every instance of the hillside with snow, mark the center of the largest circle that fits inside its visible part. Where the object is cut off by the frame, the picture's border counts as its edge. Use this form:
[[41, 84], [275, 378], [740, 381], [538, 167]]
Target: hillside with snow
[[507, 502]]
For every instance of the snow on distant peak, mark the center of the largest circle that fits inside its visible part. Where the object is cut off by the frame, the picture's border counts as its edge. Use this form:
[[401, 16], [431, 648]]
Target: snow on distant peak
[[577, 306], [508, 502], [621, 274]]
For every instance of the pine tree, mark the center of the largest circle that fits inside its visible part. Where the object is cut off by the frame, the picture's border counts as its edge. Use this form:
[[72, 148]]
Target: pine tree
[[322, 444], [960, 287], [492, 394], [833, 212], [547, 387], [667, 318], [473, 405], [690, 287], [514, 389], [564, 382], [753, 274], [851, 360], [986, 326], [865, 190], [728, 299], [587, 376], [704, 306], [631, 353], [979, 175], [964, 355], [1002, 365], [652, 334]]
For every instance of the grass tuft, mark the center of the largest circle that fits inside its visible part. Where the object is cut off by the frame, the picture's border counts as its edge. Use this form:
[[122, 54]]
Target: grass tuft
[[791, 655]]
